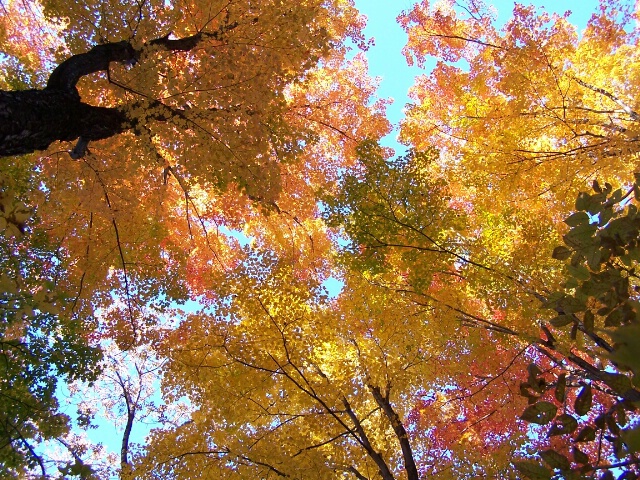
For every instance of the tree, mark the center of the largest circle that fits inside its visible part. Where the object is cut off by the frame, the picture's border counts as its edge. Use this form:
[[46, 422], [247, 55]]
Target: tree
[[236, 166], [540, 111], [294, 407], [192, 122], [42, 344], [126, 393], [234, 120], [595, 380], [531, 122], [224, 41]]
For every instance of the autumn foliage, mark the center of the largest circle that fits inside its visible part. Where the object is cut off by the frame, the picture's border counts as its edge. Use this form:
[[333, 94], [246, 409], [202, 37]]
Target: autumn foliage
[[183, 181]]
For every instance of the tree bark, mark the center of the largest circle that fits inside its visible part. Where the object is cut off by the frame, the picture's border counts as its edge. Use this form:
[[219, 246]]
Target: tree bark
[[398, 428], [31, 120]]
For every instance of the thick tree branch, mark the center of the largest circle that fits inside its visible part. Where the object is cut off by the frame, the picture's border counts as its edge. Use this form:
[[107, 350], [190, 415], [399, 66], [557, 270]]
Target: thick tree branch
[[32, 120], [375, 456], [398, 428], [66, 75]]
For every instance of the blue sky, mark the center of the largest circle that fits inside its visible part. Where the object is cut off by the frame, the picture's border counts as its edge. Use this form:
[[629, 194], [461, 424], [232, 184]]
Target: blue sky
[[386, 60]]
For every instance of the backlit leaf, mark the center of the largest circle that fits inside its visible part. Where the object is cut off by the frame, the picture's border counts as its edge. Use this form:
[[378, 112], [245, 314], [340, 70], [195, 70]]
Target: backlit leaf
[[540, 413], [555, 459], [583, 400]]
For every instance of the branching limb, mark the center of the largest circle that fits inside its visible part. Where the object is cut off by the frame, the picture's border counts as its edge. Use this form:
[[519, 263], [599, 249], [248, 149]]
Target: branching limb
[[66, 75], [364, 439], [632, 113], [383, 401]]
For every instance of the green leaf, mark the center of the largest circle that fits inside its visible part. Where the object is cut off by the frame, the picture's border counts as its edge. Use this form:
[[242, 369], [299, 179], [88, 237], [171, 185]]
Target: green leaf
[[561, 388], [528, 392], [583, 401], [532, 470], [555, 459], [588, 320], [616, 196], [561, 253], [618, 382], [596, 202], [627, 351], [535, 383], [564, 424], [594, 289], [582, 202], [578, 218], [616, 443], [579, 272], [540, 413], [561, 321], [571, 283], [572, 305], [612, 425], [631, 438], [579, 456], [533, 370], [594, 258], [614, 319], [605, 216], [580, 236], [621, 416], [587, 434], [553, 300]]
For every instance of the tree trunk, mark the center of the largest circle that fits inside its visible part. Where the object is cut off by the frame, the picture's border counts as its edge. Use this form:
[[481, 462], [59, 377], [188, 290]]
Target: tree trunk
[[31, 120]]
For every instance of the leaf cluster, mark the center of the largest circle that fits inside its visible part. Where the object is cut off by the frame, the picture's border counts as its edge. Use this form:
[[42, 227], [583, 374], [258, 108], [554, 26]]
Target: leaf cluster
[[42, 342], [599, 297]]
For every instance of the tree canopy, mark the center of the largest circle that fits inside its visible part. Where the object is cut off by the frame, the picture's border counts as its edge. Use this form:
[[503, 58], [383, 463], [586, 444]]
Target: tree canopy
[[182, 180]]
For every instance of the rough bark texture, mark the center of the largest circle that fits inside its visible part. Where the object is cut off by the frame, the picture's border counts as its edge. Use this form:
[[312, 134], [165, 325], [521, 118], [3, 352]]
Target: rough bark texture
[[31, 120]]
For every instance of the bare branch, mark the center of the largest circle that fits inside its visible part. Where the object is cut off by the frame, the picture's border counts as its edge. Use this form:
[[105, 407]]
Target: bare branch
[[634, 115], [362, 435], [398, 428]]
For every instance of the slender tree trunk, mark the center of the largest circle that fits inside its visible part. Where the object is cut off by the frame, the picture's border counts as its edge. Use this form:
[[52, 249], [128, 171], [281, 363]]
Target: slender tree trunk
[[407, 454]]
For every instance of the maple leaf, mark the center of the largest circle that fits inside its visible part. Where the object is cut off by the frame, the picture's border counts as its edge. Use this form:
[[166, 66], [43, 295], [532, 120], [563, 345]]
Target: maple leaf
[[213, 152], [179, 125]]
